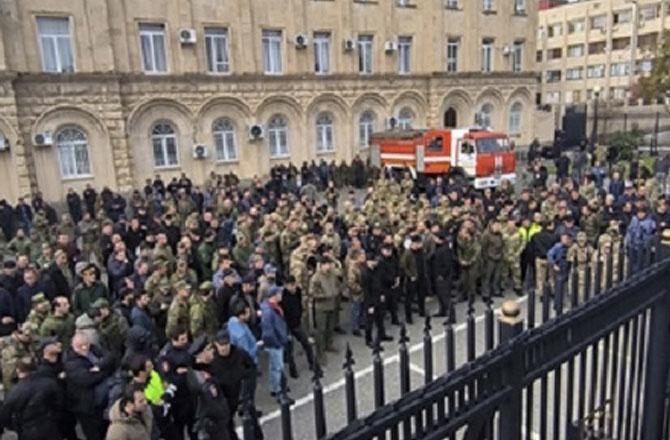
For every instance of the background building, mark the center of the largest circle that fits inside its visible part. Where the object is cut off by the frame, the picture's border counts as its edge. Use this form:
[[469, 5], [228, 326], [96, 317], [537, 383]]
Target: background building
[[119, 90], [598, 46]]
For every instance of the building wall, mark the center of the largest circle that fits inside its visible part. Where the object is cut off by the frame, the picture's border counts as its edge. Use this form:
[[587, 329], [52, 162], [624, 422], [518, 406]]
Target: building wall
[[116, 105], [611, 87]]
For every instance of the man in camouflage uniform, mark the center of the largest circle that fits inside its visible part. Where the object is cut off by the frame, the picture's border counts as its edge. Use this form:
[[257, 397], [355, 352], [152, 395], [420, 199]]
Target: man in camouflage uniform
[[90, 290], [289, 239], [89, 231], [590, 222], [492, 246], [184, 273], [20, 244], [19, 344], [202, 312], [354, 265], [324, 290], [514, 246], [469, 251], [158, 284], [580, 257], [610, 244], [331, 239], [162, 250], [269, 235], [205, 255], [39, 310], [178, 314], [60, 322], [112, 327]]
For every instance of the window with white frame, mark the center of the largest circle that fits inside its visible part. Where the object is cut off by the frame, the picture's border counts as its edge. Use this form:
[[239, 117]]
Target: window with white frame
[[216, 44], [486, 115], [366, 126], [365, 54], [224, 140], [152, 41], [278, 136], [515, 115], [164, 142], [619, 69], [324, 133], [487, 5], [595, 71], [452, 4], [72, 147], [272, 58], [405, 118], [487, 55], [517, 56], [575, 50], [574, 73], [555, 30], [322, 52], [519, 6], [453, 45], [575, 26], [55, 44], [404, 55]]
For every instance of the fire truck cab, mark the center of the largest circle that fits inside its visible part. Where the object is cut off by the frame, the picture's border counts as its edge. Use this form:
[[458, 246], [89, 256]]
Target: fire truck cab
[[484, 157]]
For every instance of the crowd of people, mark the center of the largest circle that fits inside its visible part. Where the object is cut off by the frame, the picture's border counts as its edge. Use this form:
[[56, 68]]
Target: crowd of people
[[144, 317]]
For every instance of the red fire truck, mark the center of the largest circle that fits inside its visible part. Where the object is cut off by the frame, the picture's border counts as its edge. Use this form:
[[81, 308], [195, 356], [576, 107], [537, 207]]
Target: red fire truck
[[485, 157]]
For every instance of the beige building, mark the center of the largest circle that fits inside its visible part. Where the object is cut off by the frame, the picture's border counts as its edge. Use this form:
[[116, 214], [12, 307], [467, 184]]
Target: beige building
[[598, 46], [112, 92]]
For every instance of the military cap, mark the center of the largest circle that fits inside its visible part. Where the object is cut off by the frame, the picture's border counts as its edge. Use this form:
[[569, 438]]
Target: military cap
[[198, 345], [45, 342], [222, 336], [182, 285], [39, 298], [28, 328], [415, 238], [206, 287], [100, 303], [249, 278], [89, 266], [502, 218], [9, 264]]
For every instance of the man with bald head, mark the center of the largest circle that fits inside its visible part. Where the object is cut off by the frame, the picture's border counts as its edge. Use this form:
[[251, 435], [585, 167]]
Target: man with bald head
[[87, 371]]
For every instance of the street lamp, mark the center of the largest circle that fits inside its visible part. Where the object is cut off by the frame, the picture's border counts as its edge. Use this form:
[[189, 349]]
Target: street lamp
[[594, 129]]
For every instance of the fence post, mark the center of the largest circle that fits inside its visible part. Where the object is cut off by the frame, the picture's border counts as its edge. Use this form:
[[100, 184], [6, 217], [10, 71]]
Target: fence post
[[657, 369], [350, 385], [403, 356], [427, 352], [317, 390], [510, 324], [449, 343], [285, 403], [378, 374]]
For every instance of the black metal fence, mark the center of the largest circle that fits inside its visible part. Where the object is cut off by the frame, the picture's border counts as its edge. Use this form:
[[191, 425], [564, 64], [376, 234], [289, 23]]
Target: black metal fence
[[589, 363]]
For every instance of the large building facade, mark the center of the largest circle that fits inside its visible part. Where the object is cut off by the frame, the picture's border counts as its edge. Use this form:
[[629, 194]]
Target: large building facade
[[598, 46], [112, 92]]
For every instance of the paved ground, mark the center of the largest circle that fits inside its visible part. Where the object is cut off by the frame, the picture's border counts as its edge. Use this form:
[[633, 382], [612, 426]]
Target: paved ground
[[333, 381]]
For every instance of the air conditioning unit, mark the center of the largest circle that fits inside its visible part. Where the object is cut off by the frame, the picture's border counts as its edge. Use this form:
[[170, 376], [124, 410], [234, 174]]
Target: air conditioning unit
[[301, 41], [256, 132], [349, 45], [507, 50], [390, 46], [187, 36], [200, 151], [391, 123], [4, 143], [43, 139]]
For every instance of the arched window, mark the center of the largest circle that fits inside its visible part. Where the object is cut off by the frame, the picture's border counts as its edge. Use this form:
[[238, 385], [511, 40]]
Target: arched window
[[164, 142], [486, 115], [73, 152], [278, 136], [224, 140], [450, 118], [514, 124], [405, 118], [366, 126], [324, 133]]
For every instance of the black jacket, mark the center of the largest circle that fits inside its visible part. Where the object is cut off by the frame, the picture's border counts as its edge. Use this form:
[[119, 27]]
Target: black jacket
[[442, 262], [292, 305], [541, 243], [372, 287], [83, 384], [231, 372], [389, 271], [32, 408], [6, 310], [58, 281]]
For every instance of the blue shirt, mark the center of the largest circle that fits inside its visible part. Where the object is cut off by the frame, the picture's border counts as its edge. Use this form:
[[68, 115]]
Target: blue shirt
[[241, 337]]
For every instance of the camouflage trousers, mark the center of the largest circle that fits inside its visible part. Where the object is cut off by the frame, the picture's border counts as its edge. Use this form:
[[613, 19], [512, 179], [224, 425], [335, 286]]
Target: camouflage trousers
[[580, 285], [511, 274], [542, 270], [491, 280], [469, 282]]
